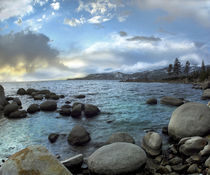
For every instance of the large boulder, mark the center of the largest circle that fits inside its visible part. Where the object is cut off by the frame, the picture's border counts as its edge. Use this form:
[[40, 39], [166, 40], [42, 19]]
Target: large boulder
[[48, 106], [77, 110], [8, 109], [117, 158], [152, 143], [18, 114], [33, 160], [171, 101], [65, 111], [17, 100], [33, 108], [91, 110], [78, 136], [29, 91], [3, 101], [21, 91], [191, 145], [206, 94], [120, 137], [190, 119], [205, 85]]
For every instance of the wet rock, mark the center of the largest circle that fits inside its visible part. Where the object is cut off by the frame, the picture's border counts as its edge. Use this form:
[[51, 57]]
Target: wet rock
[[205, 151], [48, 106], [21, 91], [65, 111], [193, 169], [73, 162], [9, 98], [192, 145], [17, 100], [196, 158], [207, 162], [54, 97], [53, 137], [29, 91], [3, 101], [152, 101], [120, 137], [66, 106], [171, 101], [78, 136], [117, 158], [76, 110], [68, 102], [18, 114], [152, 143], [33, 160], [38, 97], [206, 94], [165, 130], [62, 96], [80, 96], [179, 168], [44, 92], [176, 160], [33, 108], [8, 109], [164, 169], [190, 119], [91, 110]]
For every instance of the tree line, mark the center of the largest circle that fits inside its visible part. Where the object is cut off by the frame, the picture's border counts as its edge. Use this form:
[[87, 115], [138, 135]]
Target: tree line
[[176, 70]]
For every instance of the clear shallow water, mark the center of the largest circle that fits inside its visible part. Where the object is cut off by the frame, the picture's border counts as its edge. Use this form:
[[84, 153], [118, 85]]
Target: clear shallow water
[[124, 103]]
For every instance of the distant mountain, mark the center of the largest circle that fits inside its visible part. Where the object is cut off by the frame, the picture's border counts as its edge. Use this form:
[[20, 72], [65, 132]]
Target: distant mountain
[[158, 74]]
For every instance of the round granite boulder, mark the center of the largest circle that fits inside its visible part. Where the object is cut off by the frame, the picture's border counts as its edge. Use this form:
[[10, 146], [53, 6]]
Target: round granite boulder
[[8, 109], [190, 119], [48, 106], [33, 108]]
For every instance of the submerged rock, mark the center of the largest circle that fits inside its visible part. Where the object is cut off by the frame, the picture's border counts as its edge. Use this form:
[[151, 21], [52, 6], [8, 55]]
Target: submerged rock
[[17, 100], [77, 110], [190, 119], [48, 106], [18, 114], [91, 110], [78, 136], [117, 158], [152, 101], [33, 108], [152, 143], [53, 137], [172, 101], [33, 160], [21, 91], [80, 96], [120, 137], [65, 111]]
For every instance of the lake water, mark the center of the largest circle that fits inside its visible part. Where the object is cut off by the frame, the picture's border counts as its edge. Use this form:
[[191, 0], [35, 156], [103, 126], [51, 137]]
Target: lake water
[[123, 103]]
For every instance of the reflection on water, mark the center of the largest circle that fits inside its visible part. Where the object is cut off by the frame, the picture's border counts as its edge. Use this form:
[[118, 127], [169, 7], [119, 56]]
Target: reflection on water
[[121, 103]]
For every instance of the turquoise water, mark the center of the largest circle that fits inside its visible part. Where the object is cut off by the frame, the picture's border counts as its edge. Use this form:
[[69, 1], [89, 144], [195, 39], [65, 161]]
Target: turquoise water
[[122, 103]]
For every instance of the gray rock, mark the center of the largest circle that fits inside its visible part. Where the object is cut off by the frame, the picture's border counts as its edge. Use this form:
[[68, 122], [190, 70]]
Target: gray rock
[[152, 143], [65, 111], [91, 110], [33, 160], [76, 110], [53, 137], [17, 100], [205, 85], [205, 151], [78, 136], [120, 137], [3, 101], [117, 158], [179, 168], [73, 162], [54, 97], [18, 114], [44, 92], [192, 145], [33, 108], [152, 101], [171, 101], [193, 169], [80, 96], [21, 91], [48, 106], [207, 162], [206, 94], [8, 109], [38, 97], [29, 91], [190, 119], [176, 160]]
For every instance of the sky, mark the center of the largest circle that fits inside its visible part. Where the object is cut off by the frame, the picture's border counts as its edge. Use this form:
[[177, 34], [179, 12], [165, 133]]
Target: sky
[[59, 39]]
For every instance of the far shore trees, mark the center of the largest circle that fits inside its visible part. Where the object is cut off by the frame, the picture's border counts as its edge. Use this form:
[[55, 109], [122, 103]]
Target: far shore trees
[[187, 68], [170, 68], [177, 67]]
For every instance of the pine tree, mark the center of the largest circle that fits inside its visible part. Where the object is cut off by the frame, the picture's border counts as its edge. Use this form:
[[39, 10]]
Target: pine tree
[[203, 67], [187, 68], [177, 67], [170, 68]]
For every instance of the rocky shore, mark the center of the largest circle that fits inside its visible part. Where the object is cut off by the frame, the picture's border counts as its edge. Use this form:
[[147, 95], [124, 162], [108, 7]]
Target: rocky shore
[[188, 132]]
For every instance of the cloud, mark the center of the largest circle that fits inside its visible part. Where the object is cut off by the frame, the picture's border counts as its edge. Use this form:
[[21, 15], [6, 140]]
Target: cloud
[[74, 22], [19, 21], [122, 33], [55, 5], [98, 19], [123, 15], [25, 52], [197, 10], [143, 38]]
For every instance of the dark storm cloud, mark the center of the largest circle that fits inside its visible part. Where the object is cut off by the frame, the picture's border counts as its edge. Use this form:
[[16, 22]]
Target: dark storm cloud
[[32, 50], [122, 33], [144, 38]]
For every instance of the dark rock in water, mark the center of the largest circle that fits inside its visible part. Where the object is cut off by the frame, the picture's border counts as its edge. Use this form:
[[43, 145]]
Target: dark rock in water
[[195, 116], [152, 101], [3, 100], [17, 100], [172, 101], [21, 91], [205, 85], [76, 110], [38, 97], [48, 106], [29, 91], [78, 136], [62, 96], [80, 96], [8, 109], [91, 110], [18, 114], [206, 94], [9, 98], [73, 162], [54, 97], [120, 137], [65, 111], [65, 106], [53, 137], [165, 130], [44, 92], [68, 102], [33, 108]]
